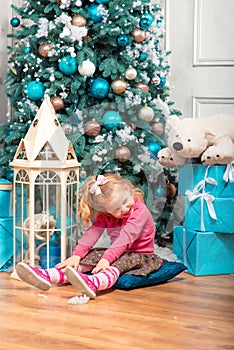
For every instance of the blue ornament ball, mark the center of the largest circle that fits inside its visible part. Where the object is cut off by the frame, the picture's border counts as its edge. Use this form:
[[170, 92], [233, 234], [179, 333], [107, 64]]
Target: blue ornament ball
[[102, 1], [154, 148], [160, 191], [10, 176], [35, 90], [156, 43], [146, 21], [122, 40], [68, 65], [99, 88], [93, 13], [90, 81], [159, 23], [143, 56], [162, 83], [15, 22], [29, 123], [111, 120], [9, 132], [27, 49]]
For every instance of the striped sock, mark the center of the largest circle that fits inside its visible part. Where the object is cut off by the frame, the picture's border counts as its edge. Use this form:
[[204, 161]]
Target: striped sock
[[57, 276], [104, 280]]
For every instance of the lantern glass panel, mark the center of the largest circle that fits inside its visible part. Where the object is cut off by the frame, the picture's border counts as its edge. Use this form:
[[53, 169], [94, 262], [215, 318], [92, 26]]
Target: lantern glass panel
[[20, 241]]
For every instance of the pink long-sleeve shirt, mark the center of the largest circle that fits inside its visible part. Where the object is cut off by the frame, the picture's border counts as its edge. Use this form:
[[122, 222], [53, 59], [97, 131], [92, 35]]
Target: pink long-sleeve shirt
[[133, 234]]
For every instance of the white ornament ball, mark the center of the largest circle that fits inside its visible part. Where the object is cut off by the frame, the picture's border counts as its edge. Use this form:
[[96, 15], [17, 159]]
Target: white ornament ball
[[156, 80], [146, 113], [131, 73], [87, 68]]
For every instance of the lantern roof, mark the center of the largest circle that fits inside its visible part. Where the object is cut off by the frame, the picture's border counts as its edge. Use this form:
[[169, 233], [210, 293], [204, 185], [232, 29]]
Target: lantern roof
[[45, 144]]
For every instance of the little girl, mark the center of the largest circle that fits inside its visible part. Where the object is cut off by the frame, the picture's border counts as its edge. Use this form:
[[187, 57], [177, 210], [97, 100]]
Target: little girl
[[109, 202]]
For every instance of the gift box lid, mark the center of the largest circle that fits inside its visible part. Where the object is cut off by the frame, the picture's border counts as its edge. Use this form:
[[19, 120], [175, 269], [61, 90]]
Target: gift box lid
[[217, 180], [5, 185]]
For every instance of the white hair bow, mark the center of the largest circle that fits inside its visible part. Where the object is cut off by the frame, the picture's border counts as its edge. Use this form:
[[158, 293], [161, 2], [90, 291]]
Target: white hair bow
[[94, 188]]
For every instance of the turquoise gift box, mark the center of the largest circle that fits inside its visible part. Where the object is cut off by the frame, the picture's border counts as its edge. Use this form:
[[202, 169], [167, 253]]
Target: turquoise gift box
[[191, 174], [6, 240], [204, 253], [198, 217], [5, 198]]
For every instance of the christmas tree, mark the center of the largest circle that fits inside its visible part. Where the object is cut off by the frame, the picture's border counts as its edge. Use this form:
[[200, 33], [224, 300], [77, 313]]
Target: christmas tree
[[103, 64]]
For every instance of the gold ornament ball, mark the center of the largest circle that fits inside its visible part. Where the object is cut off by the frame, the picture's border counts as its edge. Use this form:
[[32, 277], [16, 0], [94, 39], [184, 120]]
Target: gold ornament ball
[[119, 86], [44, 49], [78, 21], [92, 128], [142, 86], [57, 103], [157, 128], [170, 190], [131, 73], [123, 154], [138, 34], [146, 113]]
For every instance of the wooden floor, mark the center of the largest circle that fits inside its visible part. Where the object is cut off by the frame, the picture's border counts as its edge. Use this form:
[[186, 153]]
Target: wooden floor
[[184, 314]]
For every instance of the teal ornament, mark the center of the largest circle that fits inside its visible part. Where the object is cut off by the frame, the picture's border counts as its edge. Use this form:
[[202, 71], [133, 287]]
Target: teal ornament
[[111, 120], [90, 81], [122, 40], [35, 90], [9, 132], [143, 56], [15, 22], [93, 13], [162, 83], [154, 148], [99, 88], [68, 65], [29, 123], [75, 119], [10, 176], [146, 21], [156, 44], [160, 191], [159, 23], [102, 1], [27, 50]]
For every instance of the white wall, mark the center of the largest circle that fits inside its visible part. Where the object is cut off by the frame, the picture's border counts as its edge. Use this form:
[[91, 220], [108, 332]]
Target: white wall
[[201, 38]]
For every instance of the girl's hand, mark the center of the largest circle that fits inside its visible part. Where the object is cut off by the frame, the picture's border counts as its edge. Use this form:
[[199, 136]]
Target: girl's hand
[[103, 265], [73, 261]]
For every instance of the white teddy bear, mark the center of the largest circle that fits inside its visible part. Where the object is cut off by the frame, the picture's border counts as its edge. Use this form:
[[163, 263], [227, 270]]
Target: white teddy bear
[[210, 138]]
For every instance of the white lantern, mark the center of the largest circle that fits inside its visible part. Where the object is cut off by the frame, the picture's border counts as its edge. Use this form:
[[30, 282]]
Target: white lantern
[[45, 192]]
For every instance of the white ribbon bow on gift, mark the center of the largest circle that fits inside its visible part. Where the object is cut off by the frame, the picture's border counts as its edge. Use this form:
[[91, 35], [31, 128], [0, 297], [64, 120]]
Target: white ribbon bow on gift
[[229, 173], [199, 192]]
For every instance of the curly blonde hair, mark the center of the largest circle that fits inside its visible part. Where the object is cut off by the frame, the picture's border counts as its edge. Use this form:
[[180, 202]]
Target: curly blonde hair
[[91, 204]]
